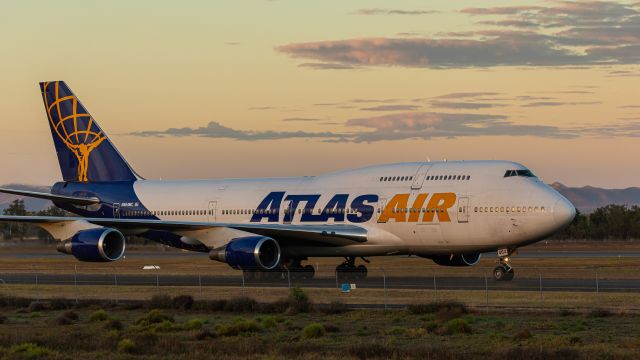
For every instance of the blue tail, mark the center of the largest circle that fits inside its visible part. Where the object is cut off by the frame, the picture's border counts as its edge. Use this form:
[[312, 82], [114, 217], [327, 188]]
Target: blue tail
[[84, 151]]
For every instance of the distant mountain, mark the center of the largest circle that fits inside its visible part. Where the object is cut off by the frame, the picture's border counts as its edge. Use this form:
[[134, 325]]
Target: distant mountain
[[30, 203], [588, 198]]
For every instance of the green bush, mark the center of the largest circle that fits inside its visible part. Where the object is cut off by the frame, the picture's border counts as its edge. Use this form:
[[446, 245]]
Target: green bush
[[299, 301], [154, 316], [29, 351], [438, 306], [98, 315], [194, 324], [126, 346], [313, 331], [246, 325], [164, 326], [457, 326], [267, 321]]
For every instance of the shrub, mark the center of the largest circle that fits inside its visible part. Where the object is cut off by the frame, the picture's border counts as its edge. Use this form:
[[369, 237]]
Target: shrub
[[334, 307], [457, 326], [35, 306], [299, 300], [241, 304], [98, 315], [566, 312], [210, 305], [331, 328], [160, 301], [267, 322], [113, 324], [183, 302], [435, 307], [3, 319], [59, 304], [71, 315], [164, 326], [13, 302], [227, 330], [313, 331], [194, 324], [62, 320], [154, 316], [600, 313], [29, 351], [246, 325], [522, 335], [126, 346], [205, 334]]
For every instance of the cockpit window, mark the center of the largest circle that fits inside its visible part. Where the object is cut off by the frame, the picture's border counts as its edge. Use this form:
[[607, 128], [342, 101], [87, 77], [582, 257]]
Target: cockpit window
[[523, 173]]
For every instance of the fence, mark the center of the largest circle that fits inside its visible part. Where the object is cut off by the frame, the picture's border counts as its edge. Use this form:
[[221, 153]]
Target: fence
[[392, 282]]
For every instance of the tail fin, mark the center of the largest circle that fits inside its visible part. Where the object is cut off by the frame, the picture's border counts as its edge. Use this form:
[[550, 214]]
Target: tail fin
[[84, 151]]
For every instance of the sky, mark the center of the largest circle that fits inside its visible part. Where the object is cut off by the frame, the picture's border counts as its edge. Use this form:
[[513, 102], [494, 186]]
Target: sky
[[219, 89]]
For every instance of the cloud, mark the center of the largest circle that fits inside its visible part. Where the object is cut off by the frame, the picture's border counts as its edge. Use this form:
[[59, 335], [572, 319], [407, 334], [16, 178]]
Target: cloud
[[427, 125], [301, 119], [562, 33], [463, 105], [458, 95], [629, 106], [393, 12], [329, 66], [392, 108], [262, 108], [216, 130], [560, 103]]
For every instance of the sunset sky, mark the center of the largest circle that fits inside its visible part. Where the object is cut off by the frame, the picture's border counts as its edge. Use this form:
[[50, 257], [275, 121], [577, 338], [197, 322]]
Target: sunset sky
[[209, 89]]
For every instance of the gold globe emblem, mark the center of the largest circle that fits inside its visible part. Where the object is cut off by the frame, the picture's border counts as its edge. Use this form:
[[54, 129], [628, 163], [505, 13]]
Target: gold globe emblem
[[80, 140]]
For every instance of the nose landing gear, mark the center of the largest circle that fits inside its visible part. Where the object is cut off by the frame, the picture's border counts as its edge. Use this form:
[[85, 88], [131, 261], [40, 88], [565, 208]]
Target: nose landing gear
[[504, 271]]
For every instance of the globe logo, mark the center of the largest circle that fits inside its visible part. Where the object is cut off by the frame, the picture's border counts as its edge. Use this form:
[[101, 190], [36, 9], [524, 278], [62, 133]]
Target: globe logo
[[73, 126]]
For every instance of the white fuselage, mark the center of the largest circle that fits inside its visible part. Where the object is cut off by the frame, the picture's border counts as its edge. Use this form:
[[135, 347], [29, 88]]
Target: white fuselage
[[419, 208]]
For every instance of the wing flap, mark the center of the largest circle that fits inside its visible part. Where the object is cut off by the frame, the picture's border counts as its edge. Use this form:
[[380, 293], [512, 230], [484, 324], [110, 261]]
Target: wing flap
[[53, 197]]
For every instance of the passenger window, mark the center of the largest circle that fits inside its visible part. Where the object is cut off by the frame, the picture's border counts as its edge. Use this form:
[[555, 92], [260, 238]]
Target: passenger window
[[475, 209]]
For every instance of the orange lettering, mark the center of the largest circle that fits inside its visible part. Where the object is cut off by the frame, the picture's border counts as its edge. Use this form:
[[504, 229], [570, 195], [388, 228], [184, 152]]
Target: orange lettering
[[392, 210], [439, 204], [414, 215]]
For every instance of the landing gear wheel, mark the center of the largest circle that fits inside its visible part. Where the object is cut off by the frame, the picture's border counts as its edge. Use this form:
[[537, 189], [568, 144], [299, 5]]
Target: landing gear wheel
[[361, 272], [308, 272], [501, 273], [348, 271], [509, 275]]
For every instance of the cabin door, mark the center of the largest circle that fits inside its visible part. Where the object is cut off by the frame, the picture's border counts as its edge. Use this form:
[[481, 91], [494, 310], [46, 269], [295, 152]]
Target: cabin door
[[211, 212], [463, 209]]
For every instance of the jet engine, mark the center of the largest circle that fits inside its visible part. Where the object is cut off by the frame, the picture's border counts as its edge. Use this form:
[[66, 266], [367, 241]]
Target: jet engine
[[251, 252], [456, 260], [95, 245]]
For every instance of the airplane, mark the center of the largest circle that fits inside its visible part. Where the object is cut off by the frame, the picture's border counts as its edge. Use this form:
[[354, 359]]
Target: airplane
[[447, 211]]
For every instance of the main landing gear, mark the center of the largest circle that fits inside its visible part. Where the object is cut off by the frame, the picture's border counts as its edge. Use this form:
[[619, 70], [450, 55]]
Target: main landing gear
[[291, 267], [504, 271], [348, 271]]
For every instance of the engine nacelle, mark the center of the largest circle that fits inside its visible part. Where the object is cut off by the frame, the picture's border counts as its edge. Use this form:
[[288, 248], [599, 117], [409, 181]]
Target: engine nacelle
[[251, 252], [95, 245], [457, 260]]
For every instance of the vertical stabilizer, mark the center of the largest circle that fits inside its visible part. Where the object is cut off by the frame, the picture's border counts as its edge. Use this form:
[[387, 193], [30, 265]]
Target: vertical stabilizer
[[84, 151]]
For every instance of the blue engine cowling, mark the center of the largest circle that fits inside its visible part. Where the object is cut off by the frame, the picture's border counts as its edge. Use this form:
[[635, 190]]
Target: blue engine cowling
[[95, 245], [456, 260], [251, 252]]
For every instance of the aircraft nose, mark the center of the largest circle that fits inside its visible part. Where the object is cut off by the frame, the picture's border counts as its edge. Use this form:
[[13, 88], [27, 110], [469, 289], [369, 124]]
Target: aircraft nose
[[563, 212]]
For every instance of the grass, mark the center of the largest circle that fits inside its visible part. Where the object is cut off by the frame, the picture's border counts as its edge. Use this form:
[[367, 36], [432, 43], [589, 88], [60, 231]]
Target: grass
[[429, 330]]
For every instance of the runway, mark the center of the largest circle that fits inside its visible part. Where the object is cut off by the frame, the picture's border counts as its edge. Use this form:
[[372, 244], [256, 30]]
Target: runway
[[415, 283]]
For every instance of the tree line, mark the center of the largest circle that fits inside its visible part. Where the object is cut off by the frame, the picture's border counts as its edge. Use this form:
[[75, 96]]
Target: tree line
[[611, 222]]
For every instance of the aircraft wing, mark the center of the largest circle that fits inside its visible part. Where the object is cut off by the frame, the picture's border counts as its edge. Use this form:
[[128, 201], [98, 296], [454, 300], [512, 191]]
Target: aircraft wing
[[53, 197], [329, 234]]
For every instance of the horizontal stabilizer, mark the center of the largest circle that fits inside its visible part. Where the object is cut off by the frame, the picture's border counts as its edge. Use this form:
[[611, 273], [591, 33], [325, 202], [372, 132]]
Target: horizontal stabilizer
[[53, 197]]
